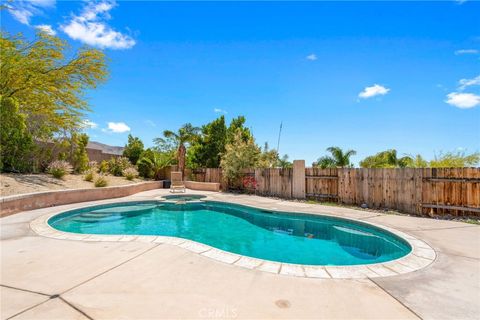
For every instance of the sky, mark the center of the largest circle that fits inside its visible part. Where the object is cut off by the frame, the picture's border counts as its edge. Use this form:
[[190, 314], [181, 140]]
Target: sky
[[367, 76]]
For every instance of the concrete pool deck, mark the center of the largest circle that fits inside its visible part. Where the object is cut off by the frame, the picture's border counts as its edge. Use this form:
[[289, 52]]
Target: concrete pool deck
[[45, 278]]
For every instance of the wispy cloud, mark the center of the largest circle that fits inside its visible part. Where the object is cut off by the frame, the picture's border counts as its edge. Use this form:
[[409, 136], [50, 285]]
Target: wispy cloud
[[372, 91], [23, 10], [465, 83], [91, 27], [46, 28], [467, 51], [463, 100], [150, 123], [89, 124], [218, 110], [117, 127], [311, 57]]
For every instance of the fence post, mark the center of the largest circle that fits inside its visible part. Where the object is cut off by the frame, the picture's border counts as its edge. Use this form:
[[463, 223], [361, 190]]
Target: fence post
[[298, 179]]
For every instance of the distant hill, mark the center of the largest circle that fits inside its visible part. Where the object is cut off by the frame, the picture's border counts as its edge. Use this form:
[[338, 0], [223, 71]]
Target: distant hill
[[105, 148]]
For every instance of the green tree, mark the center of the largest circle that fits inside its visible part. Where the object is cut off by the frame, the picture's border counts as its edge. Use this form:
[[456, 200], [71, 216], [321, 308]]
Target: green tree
[[16, 144], [153, 162], [455, 160], [185, 135], [239, 155], [79, 158], [238, 125], [206, 150], [48, 86], [268, 158], [388, 159], [284, 163], [337, 159], [133, 149]]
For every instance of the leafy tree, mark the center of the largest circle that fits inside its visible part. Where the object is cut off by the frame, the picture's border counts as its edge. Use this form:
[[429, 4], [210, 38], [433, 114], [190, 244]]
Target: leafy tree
[[79, 158], [388, 159], [48, 86], [133, 149], [337, 159], [267, 158], [153, 162], [239, 155], [455, 160], [284, 163], [206, 150], [185, 135], [16, 142], [238, 125]]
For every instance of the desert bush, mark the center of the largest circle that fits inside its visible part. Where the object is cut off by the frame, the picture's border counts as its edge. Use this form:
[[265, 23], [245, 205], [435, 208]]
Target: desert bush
[[89, 175], [93, 165], [101, 181], [104, 168], [59, 168], [130, 173], [117, 165]]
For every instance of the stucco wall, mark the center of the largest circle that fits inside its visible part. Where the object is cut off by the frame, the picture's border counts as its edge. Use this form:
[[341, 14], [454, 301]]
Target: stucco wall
[[30, 201]]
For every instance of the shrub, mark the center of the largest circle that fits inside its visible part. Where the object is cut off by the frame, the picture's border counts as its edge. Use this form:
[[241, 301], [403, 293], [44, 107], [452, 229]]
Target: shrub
[[59, 168], [133, 149], [89, 175], [117, 165], [130, 173], [79, 156], [93, 165], [104, 168], [101, 181]]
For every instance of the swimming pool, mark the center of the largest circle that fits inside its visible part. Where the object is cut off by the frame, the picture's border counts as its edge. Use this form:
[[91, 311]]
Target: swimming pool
[[277, 236]]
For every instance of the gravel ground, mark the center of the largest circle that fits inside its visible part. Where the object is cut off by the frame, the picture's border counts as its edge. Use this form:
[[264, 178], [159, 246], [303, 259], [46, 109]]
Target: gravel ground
[[11, 184]]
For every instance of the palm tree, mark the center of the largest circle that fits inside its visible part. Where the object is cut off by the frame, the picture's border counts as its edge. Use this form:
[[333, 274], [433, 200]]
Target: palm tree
[[156, 161], [387, 159], [338, 158], [186, 134]]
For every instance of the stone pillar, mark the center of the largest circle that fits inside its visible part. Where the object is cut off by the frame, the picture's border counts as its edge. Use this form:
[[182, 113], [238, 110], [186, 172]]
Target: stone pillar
[[298, 179]]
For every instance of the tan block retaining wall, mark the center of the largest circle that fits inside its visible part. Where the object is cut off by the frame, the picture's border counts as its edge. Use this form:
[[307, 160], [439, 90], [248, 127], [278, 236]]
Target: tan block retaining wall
[[203, 186], [30, 201]]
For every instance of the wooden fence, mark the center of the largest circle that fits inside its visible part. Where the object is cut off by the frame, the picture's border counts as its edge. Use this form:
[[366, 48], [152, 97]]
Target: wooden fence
[[425, 191]]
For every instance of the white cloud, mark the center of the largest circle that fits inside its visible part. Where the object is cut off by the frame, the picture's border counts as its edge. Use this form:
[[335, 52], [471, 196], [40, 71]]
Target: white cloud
[[117, 127], [89, 124], [218, 110], [464, 83], [90, 27], [375, 90], [312, 57], [467, 51], [46, 28], [463, 100], [23, 10]]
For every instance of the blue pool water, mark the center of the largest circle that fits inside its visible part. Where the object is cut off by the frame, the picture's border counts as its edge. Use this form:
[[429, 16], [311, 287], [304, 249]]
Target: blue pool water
[[283, 237]]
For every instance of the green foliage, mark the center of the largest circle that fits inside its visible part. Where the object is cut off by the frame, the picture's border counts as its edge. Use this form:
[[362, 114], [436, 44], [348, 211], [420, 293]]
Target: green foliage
[[284, 163], [133, 149], [144, 168], [59, 168], [48, 86], [116, 165], [238, 125], [337, 159], [101, 181], [153, 163], [89, 175], [185, 135], [239, 155], [267, 158], [16, 144], [206, 150], [130, 173], [455, 160], [104, 168], [79, 157], [389, 159]]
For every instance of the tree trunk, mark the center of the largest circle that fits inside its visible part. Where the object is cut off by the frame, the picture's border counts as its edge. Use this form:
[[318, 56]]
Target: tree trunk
[[181, 160]]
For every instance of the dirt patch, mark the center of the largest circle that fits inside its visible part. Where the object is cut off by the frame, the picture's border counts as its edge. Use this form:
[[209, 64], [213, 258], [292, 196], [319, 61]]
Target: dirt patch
[[12, 184]]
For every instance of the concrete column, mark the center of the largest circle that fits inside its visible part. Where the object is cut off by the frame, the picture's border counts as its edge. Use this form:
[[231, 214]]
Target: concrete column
[[298, 179]]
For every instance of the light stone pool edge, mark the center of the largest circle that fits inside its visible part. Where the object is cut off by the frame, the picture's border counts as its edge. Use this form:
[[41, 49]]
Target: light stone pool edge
[[421, 256]]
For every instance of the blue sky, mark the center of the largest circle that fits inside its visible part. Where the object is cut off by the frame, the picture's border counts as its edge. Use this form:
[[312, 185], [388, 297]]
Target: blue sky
[[362, 75]]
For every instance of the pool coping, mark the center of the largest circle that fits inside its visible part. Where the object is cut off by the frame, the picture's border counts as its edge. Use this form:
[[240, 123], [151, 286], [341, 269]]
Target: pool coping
[[421, 255]]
